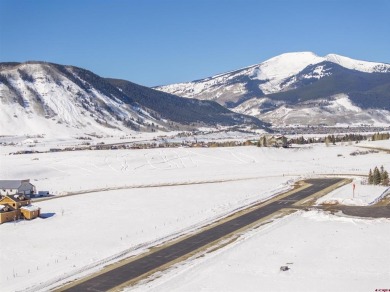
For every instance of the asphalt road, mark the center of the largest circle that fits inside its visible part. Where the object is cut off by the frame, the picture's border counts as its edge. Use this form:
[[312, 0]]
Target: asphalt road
[[361, 211], [134, 269]]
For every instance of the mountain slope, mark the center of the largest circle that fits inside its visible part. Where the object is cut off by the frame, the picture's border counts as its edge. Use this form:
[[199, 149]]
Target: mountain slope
[[335, 80], [298, 81], [38, 97], [182, 110], [257, 80]]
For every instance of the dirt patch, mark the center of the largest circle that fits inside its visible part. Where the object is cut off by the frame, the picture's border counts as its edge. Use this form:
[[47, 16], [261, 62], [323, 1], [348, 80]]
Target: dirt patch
[[384, 202]]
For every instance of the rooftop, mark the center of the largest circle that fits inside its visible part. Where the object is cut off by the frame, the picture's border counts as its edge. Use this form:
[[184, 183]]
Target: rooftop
[[30, 208], [12, 184]]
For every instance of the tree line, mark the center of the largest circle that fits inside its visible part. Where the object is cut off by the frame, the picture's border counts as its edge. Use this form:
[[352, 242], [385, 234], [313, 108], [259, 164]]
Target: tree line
[[380, 136], [379, 176], [329, 139], [332, 139]]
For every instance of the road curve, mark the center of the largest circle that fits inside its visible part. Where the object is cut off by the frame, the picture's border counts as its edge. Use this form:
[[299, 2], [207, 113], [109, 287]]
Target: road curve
[[153, 261]]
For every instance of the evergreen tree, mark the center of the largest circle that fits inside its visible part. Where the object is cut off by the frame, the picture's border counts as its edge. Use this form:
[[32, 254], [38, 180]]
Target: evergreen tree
[[380, 136], [370, 178], [382, 170], [385, 178], [376, 176]]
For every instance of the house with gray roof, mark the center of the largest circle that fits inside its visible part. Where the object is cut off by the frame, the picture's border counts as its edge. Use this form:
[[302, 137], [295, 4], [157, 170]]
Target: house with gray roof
[[13, 187]]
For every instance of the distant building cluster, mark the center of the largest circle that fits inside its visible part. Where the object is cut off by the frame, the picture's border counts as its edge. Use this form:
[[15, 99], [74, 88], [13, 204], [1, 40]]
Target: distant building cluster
[[273, 141], [15, 202], [133, 145]]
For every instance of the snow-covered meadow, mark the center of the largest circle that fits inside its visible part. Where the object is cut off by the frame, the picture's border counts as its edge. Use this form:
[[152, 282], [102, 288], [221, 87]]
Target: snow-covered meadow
[[362, 195], [324, 253], [138, 198]]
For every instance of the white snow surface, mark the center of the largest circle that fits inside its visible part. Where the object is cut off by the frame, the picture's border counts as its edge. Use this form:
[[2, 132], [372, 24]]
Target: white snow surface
[[30, 208], [142, 197], [342, 102], [358, 65], [277, 69], [363, 195]]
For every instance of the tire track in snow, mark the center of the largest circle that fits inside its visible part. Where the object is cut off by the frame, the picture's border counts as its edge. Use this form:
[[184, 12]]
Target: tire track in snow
[[213, 157], [158, 185], [109, 165], [236, 156]]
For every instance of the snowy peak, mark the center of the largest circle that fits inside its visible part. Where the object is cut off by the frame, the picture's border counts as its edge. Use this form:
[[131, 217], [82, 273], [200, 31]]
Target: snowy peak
[[271, 76], [285, 65], [265, 77], [362, 66]]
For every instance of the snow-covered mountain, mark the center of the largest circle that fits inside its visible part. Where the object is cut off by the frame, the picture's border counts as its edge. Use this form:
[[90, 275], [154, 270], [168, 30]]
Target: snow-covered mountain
[[294, 82], [38, 97], [337, 110]]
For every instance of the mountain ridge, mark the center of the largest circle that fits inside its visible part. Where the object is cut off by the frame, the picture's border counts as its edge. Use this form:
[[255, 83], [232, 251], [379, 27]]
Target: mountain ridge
[[293, 78], [37, 96]]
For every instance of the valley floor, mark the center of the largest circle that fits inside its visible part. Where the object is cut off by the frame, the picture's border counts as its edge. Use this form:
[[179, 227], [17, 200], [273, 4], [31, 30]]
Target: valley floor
[[127, 212]]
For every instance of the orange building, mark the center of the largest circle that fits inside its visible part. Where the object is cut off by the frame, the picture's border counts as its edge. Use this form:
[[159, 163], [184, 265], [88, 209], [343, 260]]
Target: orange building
[[14, 207], [8, 214]]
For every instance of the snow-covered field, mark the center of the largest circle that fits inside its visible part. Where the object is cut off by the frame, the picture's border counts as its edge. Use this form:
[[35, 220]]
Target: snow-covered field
[[142, 197], [363, 195], [324, 253]]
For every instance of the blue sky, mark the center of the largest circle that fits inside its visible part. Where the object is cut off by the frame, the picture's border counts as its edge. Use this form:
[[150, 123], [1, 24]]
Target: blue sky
[[153, 42]]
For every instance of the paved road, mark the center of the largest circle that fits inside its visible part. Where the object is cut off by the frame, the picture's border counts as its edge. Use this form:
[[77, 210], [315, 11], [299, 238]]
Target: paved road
[[132, 270], [361, 211]]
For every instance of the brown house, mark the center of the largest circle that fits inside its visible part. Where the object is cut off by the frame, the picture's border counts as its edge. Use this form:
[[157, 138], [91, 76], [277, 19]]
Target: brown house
[[30, 212], [14, 207], [8, 214], [15, 201]]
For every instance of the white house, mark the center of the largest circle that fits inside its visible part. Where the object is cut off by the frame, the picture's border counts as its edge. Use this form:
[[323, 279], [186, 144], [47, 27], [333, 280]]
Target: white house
[[12, 187]]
